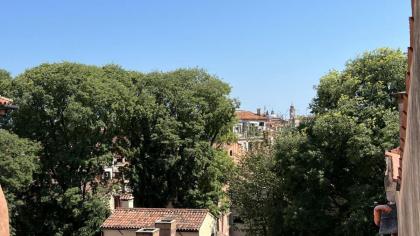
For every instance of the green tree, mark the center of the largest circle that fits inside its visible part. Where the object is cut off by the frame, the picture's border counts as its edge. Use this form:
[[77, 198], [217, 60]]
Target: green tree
[[374, 76], [5, 91], [167, 124], [74, 111], [5, 83], [332, 168], [253, 192], [18, 163], [177, 120]]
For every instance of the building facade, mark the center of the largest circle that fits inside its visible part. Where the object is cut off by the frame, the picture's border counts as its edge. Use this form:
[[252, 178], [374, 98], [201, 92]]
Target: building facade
[[408, 196], [402, 176], [254, 130], [5, 107]]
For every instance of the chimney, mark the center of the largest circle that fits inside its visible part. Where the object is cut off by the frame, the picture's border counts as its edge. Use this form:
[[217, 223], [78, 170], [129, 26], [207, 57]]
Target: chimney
[[259, 111], [167, 227], [127, 200], [147, 232]]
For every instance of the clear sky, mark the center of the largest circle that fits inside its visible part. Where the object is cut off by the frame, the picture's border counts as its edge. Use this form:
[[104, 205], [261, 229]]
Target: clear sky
[[272, 52]]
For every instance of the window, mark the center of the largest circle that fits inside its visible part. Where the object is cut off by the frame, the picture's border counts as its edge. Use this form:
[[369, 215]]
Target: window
[[231, 153], [107, 175], [237, 220], [117, 202]]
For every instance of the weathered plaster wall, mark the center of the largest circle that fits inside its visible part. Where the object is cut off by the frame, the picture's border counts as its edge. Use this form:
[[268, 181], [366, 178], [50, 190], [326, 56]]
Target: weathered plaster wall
[[209, 226], [127, 203], [4, 215], [118, 233], [409, 196]]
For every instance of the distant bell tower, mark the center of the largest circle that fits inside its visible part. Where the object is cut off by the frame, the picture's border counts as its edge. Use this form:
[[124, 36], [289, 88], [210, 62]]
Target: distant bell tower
[[292, 115]]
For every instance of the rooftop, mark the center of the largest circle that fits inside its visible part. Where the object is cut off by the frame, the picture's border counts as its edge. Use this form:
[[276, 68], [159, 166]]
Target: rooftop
[[247, 115], [136, 218], [126, 196], [5, 101]]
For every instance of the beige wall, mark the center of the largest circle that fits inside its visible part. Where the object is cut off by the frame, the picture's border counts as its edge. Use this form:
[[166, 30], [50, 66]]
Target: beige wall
[[127, 203], [187, 234], [119, 232], [133, 233], [209, 225]]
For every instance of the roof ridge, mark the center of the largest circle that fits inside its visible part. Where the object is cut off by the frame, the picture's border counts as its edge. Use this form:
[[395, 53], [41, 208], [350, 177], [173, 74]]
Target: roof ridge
[[190, 219], [163, 208]]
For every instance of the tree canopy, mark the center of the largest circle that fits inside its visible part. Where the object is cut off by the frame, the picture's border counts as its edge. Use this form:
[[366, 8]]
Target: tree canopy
[[5, 83], [72, 111], [330, 169], [172, 139], [255, 184], [18, 163], [340, 155], [166, 124]]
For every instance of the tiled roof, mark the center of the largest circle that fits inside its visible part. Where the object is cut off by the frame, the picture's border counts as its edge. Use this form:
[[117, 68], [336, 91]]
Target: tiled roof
[[247, 115], [5, 101], [136, 218], [126, 196]]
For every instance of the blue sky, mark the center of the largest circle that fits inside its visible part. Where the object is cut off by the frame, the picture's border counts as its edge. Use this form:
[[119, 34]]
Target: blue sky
[[272, 52]]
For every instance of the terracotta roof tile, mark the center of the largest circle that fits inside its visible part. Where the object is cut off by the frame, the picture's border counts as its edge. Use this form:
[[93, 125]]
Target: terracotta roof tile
[[247, 115], [126, 196], [136, 218], [5, 101]]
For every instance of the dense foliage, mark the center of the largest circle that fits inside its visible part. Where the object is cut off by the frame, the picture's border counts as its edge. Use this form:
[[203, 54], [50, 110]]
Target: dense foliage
[[18, 162], [71, 110], [5, 82], [172, 137], [330, 170], [319, 179], [166, 125], [253, 189]]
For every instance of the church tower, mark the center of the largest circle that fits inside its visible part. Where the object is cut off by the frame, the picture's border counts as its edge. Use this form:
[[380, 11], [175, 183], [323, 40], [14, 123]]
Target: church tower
[[292, 115]]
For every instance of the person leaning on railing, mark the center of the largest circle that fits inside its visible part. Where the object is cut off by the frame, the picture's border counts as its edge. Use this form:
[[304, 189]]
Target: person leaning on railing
[[385, 216]]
